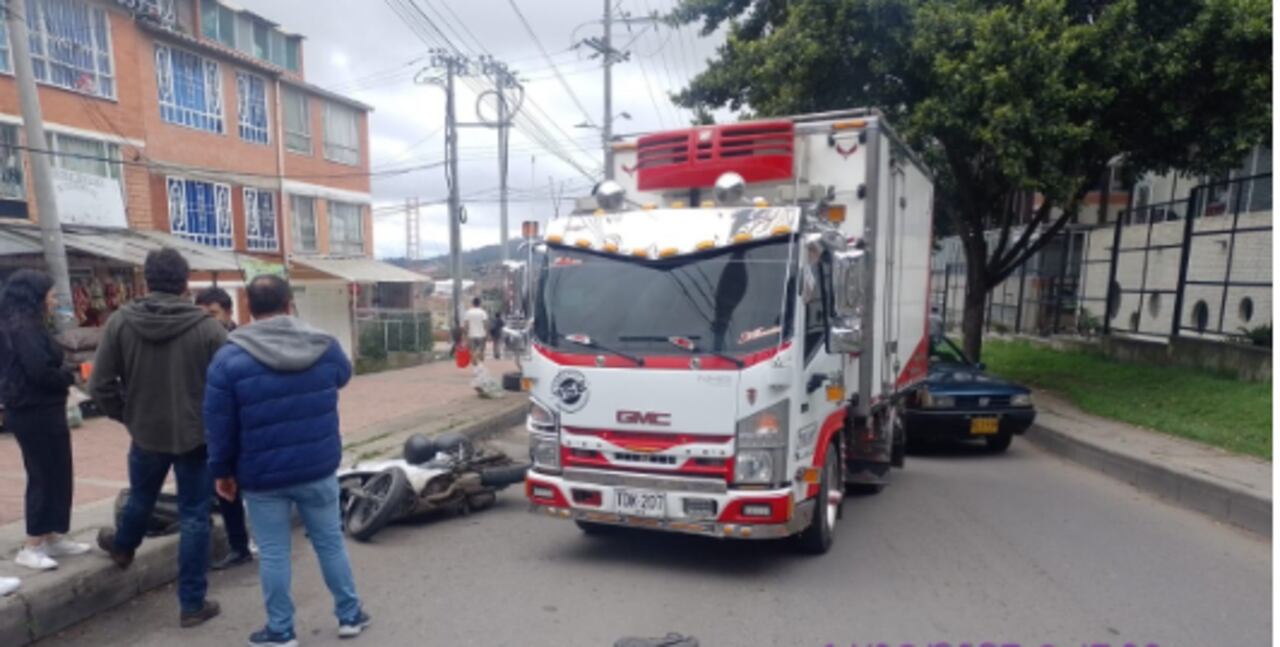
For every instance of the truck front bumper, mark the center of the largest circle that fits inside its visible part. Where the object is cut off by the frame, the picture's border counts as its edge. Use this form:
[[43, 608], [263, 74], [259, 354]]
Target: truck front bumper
[[693, 506]]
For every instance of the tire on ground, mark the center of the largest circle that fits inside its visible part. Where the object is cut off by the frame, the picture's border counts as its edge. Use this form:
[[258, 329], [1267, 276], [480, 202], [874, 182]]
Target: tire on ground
[[1000, 442], [361, 524], [817, 538]]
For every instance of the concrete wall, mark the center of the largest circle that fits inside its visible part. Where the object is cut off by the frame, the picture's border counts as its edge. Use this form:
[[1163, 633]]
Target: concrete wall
[[1245, 363]]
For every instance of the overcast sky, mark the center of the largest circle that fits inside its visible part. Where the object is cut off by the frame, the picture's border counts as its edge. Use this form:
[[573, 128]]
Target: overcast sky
[[372, 55]]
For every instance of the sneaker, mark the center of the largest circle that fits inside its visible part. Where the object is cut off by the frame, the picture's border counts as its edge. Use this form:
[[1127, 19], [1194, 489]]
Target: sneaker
[[353, 628], [61, 547], [210, 610], [107, 542], [35, 558], [268, 638], [232, 559], [8, 585]]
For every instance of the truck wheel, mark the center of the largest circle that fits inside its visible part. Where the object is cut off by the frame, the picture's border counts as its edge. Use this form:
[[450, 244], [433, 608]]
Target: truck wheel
[[818, 537], [1000, 442], [374, 505]]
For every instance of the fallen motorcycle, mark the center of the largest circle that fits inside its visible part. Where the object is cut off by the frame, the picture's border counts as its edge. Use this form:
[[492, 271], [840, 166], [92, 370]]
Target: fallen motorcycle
[[444, 473]]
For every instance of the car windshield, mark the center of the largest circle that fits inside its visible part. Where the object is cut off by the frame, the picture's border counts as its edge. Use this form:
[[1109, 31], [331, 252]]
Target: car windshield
[[944, 350], [728, 301]]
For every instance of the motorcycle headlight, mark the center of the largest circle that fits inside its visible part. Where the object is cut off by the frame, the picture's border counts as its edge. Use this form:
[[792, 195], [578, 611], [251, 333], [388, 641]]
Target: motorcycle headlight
[[931, 401], [754, 466], [541, 418], [1020, 400], [767, 428], [544, 450]]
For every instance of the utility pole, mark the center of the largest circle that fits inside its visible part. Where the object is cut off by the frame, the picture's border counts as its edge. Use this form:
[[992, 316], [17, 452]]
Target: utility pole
[[453, 65], [606, 128], [55, 253]]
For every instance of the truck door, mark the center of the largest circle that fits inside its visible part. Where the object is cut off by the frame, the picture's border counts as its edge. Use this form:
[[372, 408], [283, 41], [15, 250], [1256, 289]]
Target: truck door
[[822, 368]]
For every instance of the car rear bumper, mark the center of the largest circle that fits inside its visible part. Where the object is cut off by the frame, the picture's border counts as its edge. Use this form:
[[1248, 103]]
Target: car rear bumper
[[955, 425], [591, 499]]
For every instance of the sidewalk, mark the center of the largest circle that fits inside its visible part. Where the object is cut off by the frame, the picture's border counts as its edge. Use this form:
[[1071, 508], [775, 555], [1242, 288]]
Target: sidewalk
[[377, 411], [1231, 488]]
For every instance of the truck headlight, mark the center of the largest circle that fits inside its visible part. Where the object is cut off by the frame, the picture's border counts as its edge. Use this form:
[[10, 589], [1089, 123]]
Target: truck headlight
[[767, 428], [544, 450], [541, 418], [1020, 400], [931, 401], [754, 466]]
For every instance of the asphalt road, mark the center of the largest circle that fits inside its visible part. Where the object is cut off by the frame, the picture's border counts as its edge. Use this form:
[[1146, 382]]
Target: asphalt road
[[1019, 549]]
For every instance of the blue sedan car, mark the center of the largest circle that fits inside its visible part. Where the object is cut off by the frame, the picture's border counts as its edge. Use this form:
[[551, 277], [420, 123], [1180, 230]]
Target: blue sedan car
[[959, 401]]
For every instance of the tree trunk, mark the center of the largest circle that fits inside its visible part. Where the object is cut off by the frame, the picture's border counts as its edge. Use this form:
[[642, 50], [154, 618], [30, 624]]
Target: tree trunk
[[975, 307]]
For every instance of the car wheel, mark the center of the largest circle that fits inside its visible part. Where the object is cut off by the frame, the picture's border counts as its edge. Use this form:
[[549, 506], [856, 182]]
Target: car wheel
[[818, 537], [1000, 442]]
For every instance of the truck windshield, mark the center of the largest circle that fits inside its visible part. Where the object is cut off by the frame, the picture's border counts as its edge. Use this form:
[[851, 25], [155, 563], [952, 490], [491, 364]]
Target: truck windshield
[[728, 302]]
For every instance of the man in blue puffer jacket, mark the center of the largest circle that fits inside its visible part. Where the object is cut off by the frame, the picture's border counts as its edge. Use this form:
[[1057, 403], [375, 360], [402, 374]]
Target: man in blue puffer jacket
[[271, 422]]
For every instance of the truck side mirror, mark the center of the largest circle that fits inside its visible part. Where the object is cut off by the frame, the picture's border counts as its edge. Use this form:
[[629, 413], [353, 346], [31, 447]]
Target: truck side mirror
[[848, 281]]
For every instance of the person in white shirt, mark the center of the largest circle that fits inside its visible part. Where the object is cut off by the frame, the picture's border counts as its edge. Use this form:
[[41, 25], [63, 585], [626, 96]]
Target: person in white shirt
[[476, 320]]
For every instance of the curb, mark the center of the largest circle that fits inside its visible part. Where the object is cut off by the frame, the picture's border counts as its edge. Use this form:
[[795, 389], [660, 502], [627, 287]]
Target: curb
[[87, 586], [1221, 502]]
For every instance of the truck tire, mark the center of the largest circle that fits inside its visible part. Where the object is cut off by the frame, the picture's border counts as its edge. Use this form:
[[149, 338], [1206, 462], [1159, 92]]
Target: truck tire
[[1000, 442], [818, 537], [500, 477], [511, 381], [377, 503]]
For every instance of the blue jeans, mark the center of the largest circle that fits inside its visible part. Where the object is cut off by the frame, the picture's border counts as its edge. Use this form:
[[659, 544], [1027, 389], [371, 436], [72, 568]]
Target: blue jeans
[[147, 471], [269, 513]]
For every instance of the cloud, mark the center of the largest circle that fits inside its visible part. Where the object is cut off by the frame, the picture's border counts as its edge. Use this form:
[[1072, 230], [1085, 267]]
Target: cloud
[[373, 56]]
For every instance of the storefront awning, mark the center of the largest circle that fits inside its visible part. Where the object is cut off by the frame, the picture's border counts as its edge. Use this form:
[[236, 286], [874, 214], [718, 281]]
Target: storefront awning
[[362, 270], [124, 245]]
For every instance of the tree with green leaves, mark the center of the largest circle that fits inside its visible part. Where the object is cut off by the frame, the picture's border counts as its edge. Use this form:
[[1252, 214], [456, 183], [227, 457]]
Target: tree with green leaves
[[1007, 98]]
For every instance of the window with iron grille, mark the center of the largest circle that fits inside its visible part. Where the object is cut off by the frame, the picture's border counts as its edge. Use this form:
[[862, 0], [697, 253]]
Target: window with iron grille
[[346, 231], [11, 183], [200, 212], [297, 122], [341, 134], [260, 220], [5, 65], [190, 89], [251, 92], [71, 46], [302, 212]]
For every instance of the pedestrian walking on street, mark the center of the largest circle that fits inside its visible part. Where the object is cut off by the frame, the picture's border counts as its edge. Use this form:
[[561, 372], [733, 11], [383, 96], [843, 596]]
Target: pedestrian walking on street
[[217, 303], [476, 320], [33, 386], [271, 418], [149, 374], [495, 332]]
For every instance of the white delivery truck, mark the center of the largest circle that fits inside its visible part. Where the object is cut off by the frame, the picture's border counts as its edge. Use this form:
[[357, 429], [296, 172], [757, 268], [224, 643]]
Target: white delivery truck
[[719, 339]]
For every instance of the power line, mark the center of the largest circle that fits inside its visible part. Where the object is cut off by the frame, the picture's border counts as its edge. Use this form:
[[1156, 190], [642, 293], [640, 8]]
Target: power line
[[564, 84]]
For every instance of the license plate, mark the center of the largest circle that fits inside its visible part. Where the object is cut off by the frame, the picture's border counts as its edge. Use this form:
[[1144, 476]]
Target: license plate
[[641, 503], [984, 426]]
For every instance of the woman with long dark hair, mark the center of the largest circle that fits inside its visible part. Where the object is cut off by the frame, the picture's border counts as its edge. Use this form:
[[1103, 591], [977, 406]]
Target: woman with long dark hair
[[33, 387]]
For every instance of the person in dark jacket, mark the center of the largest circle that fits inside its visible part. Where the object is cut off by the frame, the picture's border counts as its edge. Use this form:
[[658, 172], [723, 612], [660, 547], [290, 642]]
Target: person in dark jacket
[[217, 303], [495, 332], [149, 373], [271, 420], [33, 386]]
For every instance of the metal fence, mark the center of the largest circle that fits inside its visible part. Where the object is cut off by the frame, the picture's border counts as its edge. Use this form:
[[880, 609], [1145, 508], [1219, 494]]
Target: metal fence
[[382, 331], [1198, 266]]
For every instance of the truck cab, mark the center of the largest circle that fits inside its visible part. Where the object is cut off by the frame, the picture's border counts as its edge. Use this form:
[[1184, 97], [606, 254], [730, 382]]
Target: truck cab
[[707, 369]]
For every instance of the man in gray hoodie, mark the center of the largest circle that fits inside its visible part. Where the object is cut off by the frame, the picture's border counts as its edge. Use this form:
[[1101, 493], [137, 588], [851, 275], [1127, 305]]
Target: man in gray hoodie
[[149, 374]]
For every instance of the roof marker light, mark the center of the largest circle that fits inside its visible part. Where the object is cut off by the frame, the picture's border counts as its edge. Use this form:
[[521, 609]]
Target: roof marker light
[[780, 230], [583, 243], [554, 238], [705, 245], [640, 252], [707, 204], [677, 204], [852, 124], [743, 237], [760, 202], [610, 247], [649, 206], [599, 212], [668, 252]]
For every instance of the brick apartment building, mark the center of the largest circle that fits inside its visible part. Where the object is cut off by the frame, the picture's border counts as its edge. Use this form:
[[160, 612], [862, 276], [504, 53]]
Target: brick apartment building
[[194, 118]]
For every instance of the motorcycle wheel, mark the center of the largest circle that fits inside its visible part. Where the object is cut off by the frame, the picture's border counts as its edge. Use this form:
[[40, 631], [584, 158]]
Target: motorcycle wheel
[[500, 477], [374, 505]]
